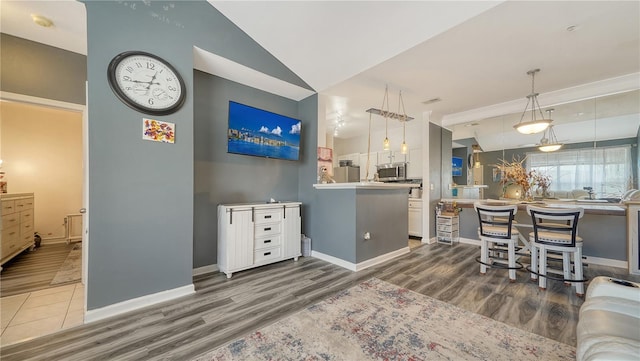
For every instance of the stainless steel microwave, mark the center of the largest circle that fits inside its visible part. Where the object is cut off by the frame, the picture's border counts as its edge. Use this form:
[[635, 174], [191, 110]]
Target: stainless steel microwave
[[392, 172]]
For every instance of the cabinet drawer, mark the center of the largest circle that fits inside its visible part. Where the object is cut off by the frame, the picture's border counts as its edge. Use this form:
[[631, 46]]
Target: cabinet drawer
[[10, 235], [8, 206], [26, 216], [24, 204], [267, 255], [26, 239], [415, 204], [26, 228], [265, 230], [445, 228], [275, 240], [268, 216], [10, 220]]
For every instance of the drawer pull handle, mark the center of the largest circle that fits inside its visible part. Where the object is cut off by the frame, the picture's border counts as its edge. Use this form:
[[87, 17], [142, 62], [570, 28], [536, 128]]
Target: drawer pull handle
[[12, 233], [267, 253], [267, 241], [267, 229], [20, 205], [267, 216]]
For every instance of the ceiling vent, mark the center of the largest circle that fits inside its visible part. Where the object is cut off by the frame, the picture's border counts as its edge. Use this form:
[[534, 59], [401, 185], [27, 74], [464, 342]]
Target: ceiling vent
[[431, 101]]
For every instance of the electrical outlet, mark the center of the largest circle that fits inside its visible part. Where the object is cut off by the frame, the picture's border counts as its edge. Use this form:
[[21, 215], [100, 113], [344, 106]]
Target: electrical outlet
[[367, 235]]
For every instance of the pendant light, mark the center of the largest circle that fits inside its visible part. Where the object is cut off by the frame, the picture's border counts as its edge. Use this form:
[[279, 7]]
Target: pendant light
[[403, 147], [534, 125], [386, 144], [549, 142]]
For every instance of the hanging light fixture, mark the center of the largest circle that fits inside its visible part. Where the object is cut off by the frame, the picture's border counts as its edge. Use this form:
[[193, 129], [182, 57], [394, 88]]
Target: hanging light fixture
[[403, 147], [390, 115], [534, 125], [549, 142]]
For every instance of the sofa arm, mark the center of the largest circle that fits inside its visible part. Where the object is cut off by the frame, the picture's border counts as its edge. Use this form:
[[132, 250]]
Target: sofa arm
[[612, 287]]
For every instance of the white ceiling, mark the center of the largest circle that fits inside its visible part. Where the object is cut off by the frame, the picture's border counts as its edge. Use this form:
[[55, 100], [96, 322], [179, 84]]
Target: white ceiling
[[470, 54]]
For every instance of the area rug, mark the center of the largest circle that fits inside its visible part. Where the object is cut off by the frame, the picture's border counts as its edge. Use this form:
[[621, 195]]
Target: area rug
[[376, 320], [71, 268]]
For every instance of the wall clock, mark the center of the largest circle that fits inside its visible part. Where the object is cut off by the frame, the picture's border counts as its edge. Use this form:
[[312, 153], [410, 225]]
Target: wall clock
[[146, 83]]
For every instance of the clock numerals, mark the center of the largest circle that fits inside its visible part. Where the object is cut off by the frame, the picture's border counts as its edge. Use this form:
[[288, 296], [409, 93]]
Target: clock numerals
[[146, 83]]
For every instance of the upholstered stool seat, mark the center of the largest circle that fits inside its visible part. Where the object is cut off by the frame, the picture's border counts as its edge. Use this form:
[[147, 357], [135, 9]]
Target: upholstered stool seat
[[556, 230], [496, 227]]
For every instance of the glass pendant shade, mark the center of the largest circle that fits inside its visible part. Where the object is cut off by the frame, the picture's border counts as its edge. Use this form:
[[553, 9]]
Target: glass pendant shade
[[550, 147], [385, 144], [403, 148], [533, 127], [549, 141]]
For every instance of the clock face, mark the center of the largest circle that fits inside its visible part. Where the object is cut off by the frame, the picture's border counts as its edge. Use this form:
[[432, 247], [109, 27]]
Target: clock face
[[146, 83]]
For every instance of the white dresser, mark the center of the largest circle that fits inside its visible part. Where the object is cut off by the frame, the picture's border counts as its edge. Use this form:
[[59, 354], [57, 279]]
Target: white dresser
[[256, 234], [17, 224]]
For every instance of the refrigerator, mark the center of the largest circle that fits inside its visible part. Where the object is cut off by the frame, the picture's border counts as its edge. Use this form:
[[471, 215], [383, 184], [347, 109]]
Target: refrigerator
[[346, 174]]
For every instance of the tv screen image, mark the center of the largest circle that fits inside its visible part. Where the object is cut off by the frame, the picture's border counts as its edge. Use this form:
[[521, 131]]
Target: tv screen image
[[456, 166], [261, 133]]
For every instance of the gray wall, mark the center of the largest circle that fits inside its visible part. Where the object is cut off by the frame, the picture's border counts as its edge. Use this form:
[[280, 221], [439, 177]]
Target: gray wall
[[440, 168], [490, 158], [221, 177], [42, 71], [142, 193]]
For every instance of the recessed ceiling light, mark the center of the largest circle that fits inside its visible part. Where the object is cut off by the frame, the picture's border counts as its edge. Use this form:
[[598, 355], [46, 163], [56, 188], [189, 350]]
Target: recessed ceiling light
[[42, 20], [431, 101], [572, 27]]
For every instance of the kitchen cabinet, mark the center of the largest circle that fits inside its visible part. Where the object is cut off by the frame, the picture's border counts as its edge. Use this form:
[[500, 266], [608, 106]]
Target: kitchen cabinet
[[353, 157], [17, 224], [373, 161], [415, 217], [391, 156], [414, 164], [255, 234]]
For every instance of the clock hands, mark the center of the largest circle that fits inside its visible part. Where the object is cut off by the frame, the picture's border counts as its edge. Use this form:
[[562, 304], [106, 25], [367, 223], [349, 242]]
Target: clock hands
[[152, 79]]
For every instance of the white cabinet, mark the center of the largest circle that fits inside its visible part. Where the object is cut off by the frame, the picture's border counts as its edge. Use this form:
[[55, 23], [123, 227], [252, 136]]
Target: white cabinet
[[391, 156], [373, 161], [252, 235], [414, 166], [17, 224], [447, 228], [415, 217]]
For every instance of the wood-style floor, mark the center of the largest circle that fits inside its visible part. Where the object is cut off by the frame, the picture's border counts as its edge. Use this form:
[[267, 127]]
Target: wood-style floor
[[224, 309], [33, 270]]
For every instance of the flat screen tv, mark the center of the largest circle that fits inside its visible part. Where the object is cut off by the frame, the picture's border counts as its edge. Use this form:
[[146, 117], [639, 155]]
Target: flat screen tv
[[260, 133], [456, 166]]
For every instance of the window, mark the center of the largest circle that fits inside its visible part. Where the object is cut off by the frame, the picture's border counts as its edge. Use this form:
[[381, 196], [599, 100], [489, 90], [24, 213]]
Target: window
[[607, 169]]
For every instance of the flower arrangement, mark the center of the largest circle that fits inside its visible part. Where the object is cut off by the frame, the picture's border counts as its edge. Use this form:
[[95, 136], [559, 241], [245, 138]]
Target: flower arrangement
[[514, 173]]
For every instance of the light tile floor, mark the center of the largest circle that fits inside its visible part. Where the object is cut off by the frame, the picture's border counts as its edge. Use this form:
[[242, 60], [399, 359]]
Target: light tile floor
[[30, 315]]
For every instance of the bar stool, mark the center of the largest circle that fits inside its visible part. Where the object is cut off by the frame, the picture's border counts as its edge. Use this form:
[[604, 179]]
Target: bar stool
[[556, 230], [496, 226]]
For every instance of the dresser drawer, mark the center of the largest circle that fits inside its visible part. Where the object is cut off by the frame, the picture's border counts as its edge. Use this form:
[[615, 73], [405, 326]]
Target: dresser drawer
[[10, 220], [415, 204], [24, 204], [263, 216], [267, 255], [26, 239], [8, 206], [10, 235], [26, 216], [261, 243], [26, 228], [265, 230]]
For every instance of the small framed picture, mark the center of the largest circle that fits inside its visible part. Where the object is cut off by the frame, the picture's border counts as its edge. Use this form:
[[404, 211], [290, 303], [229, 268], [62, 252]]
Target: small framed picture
[[158, 131], [497, 174]]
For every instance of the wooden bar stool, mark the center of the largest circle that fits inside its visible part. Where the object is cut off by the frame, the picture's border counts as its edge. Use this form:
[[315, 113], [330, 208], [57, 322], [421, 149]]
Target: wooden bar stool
[[556, 230], [496, 227]]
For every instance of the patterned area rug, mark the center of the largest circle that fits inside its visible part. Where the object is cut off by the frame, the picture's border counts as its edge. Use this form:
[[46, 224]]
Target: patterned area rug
[[376, 320], [71, 269]]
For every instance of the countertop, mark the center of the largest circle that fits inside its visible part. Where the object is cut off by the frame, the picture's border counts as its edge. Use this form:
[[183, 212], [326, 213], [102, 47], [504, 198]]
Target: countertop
[[614, 209], [366, 185]]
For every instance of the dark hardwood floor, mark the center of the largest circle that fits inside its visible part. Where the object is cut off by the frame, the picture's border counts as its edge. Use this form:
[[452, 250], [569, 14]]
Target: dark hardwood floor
[[224, 309], [33, 270]]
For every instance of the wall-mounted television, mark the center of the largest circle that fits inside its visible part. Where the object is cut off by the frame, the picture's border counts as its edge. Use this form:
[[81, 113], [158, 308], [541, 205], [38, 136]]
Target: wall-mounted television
[[261, 133], [456, 166]]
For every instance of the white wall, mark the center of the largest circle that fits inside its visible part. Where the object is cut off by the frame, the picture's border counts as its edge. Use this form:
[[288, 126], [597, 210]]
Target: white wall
[[41, 150], [359, 144]]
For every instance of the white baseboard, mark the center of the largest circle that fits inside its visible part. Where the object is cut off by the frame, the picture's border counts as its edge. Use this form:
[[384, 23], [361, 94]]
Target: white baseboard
[[362, 265], [475, 242], [54, 240], [431, 240], [205, 269], [607, 262], [137, 303]]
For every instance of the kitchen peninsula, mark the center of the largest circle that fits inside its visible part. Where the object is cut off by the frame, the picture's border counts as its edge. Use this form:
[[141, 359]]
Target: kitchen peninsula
[[360, 224], [603, 226]]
